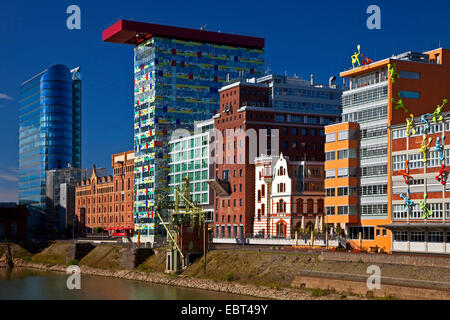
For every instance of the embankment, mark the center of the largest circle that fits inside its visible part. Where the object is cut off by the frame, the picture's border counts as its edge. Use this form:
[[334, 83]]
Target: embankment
[[273, 275]]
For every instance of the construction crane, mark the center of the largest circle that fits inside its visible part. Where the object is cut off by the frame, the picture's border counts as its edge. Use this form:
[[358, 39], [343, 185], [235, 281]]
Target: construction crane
[[183, 213]]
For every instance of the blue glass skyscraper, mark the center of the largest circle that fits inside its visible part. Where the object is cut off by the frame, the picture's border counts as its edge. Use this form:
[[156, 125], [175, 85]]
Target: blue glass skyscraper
[[49, 129]]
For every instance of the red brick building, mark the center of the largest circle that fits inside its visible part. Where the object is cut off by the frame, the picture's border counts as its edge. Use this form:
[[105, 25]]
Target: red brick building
[[107, 202], [246, 124]]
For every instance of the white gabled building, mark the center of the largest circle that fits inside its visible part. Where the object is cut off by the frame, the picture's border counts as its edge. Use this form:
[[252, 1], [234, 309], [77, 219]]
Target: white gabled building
[[289, 195]]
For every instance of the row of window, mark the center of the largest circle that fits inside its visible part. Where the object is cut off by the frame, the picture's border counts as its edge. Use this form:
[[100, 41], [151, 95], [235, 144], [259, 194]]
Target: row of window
[[420, 236], [416, 160], [434, 128], [342, 135], [369, 79], [399, 211], [342, 210], [371, 114], [365, 96], [368, 209], [342, 173]]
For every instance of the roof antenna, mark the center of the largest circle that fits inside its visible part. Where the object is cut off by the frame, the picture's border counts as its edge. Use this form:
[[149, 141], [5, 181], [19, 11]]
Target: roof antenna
[[203, 28]]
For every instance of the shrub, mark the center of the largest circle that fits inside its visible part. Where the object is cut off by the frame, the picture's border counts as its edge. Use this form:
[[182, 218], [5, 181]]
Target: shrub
[[72, 262], [319, 292], [229, 276]]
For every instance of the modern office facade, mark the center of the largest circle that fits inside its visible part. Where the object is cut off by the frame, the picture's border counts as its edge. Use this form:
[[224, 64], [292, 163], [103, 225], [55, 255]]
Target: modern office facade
[[359, 172], [264, 116], [177, 75], [421, 224], [190, 157], [49, 129]]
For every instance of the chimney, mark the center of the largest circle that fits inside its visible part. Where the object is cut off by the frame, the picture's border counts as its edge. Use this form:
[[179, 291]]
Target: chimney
[[312, 79]]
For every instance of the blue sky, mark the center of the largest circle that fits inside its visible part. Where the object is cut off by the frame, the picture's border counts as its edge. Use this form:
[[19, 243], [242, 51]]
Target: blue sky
[[302, 38]]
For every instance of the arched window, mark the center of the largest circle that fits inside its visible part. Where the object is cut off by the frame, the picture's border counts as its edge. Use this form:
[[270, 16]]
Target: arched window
[[281, 229], [299, 205], [263, 190], [310, 206], [281, 206], [320, 206]]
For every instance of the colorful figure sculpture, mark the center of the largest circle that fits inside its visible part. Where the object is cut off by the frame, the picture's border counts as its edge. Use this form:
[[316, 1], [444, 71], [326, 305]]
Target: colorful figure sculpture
[[423, 207], [399, 104], [410, 126], [440, 146], [424, 147], [437, 113], [408, 202], [443, 174], [355, 57], [366, 60], [392, 69], [406, 176], [424, 125]]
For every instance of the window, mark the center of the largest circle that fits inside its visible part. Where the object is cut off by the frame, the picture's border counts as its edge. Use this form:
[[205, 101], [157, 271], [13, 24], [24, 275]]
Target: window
[[347, 154], [367, 233], [398, 162], [347, 135], [347, 172], [281, 187], [330, 211], [330, 137], [410, 94], [436, 208], [331, 155], [346, 210], [435, 236], [409, 75], [374, 151], [342, 191], [373, 190], [330, 174], [401, 236], [417, 236], [281, 229], [373, 171], [330, 192], [374, 209]]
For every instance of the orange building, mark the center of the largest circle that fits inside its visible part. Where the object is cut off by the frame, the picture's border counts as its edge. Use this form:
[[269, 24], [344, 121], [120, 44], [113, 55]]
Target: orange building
[[381, 94], [107, 202]]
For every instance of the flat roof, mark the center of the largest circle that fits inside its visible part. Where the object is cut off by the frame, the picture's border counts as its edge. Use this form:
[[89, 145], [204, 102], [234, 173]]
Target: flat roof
[[129, 32]]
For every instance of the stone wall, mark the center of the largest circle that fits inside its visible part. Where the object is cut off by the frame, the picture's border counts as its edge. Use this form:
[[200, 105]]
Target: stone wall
[[77, 251], [414, 260], [132, 257], [360, 287]]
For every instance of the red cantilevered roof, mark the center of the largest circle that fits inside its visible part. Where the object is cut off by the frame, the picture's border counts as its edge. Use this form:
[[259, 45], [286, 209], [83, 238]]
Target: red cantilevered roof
[[129, 32]]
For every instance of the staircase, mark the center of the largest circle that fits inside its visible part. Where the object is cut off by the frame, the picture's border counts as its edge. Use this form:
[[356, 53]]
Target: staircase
[[222, 188]]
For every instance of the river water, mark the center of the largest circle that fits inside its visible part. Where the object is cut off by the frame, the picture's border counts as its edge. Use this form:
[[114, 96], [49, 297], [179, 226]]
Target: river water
[[27, 284]]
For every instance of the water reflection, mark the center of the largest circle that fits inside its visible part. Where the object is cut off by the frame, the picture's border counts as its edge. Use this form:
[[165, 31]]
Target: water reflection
[[26, 284]]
